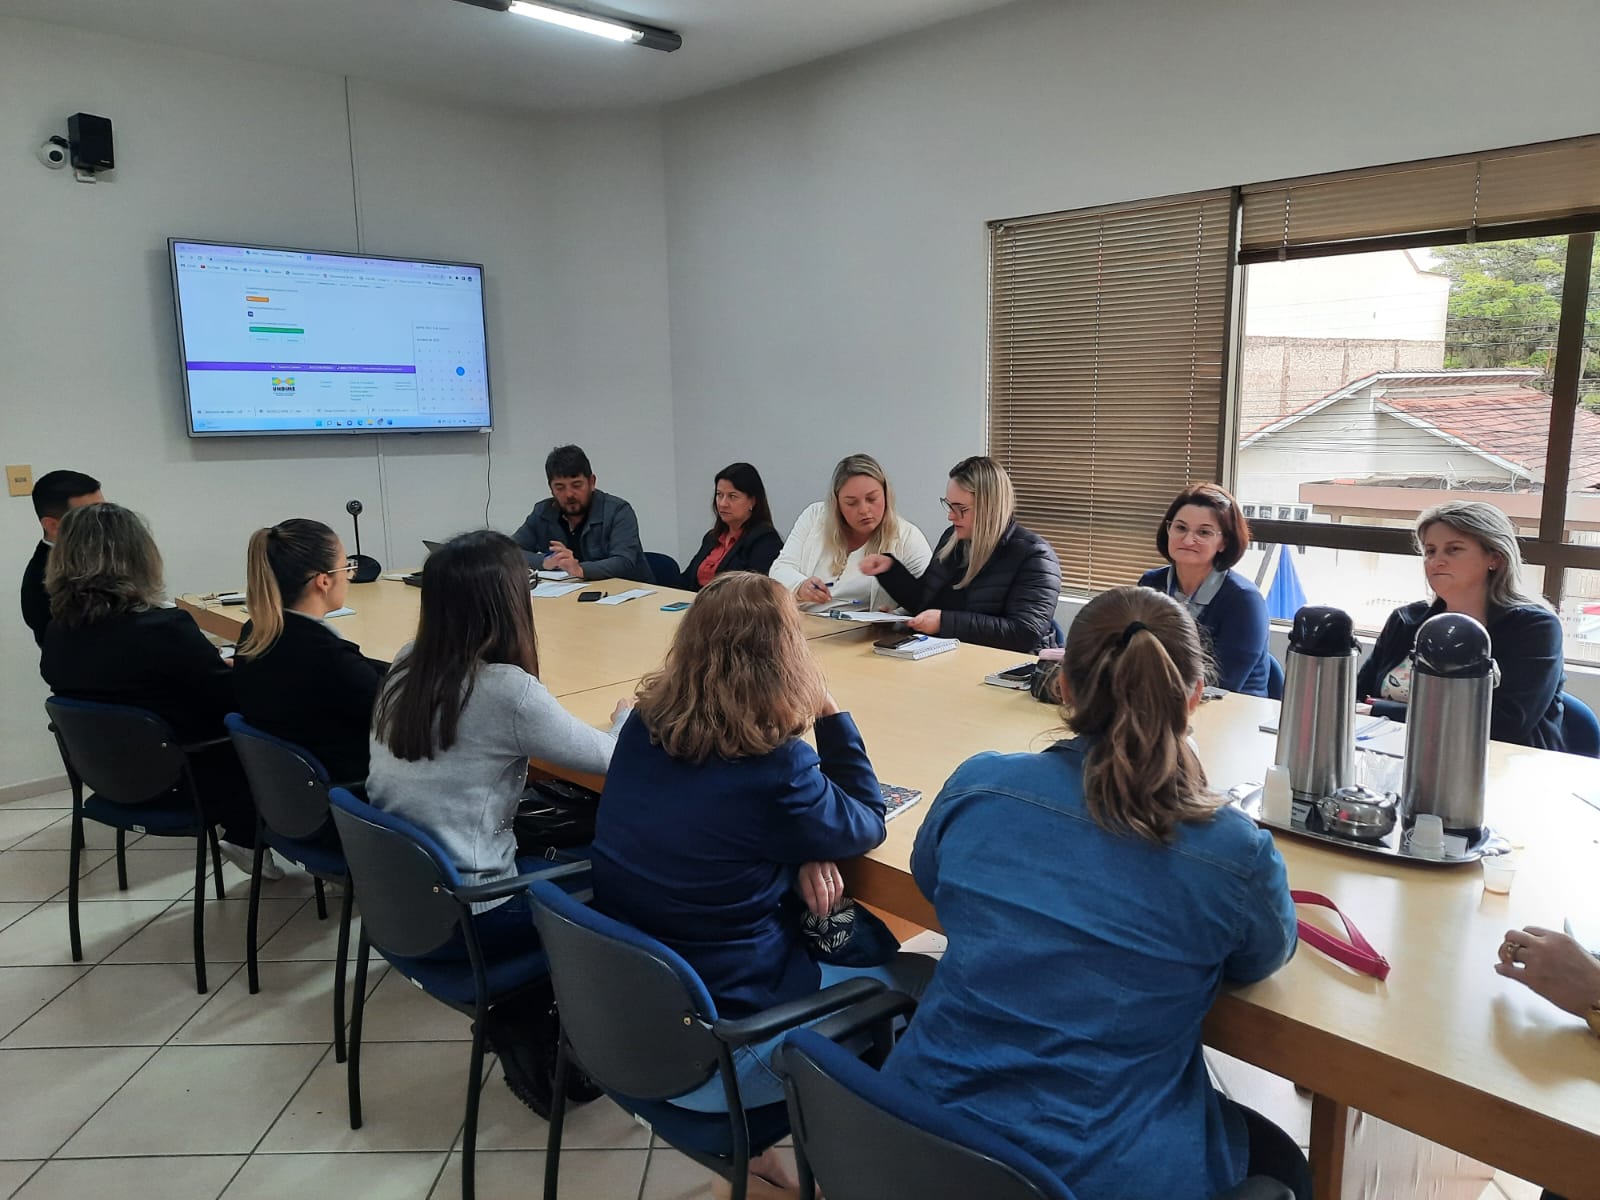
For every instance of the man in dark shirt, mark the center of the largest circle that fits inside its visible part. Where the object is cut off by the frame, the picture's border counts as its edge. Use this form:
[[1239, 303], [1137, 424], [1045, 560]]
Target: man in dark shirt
[[53, 494], [580, 529]]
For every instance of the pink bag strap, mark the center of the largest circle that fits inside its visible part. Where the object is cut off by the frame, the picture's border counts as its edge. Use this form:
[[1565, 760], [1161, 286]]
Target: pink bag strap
[[1357, 953]]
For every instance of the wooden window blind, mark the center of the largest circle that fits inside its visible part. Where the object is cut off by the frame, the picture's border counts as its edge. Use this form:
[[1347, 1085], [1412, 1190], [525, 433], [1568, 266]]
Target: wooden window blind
[[1108, 334], [1553, 186]]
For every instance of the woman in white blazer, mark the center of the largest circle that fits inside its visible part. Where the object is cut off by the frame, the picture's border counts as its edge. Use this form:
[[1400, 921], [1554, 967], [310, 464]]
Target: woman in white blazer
[[821, 560]]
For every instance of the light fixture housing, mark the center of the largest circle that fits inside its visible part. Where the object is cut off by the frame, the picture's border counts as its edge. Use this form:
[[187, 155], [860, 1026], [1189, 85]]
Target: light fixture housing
[[616, 29]]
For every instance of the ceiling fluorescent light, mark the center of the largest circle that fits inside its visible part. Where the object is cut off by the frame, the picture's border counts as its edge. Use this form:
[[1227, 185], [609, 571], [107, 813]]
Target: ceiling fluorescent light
[[615, 29]]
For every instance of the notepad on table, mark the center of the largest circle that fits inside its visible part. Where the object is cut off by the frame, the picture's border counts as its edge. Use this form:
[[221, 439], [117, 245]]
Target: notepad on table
[[624, 597], [549, 589], [897, 799], [915, 646]]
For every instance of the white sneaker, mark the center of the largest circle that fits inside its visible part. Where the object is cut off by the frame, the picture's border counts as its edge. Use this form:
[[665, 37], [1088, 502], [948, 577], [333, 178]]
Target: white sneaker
[[244, 858]]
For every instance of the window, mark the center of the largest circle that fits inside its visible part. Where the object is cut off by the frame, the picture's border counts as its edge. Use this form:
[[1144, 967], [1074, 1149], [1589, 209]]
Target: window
[[1421, 333], [1107, 346]]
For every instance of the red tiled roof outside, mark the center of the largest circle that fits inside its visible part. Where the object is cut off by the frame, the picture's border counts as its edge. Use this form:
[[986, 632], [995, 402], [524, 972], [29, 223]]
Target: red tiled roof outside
[[1512, 376], [1513, 425]]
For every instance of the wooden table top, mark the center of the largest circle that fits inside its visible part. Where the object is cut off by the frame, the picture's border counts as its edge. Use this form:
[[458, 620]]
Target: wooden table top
[[581, 646], [1444, 1047]]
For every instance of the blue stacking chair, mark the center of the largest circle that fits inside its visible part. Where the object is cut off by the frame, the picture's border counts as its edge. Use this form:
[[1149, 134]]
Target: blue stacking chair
[[1274, 678], [413, 903], [664, 567], [1058, 635], [140, 780], [1580, 729], [861, 1136], [639, 1020], [290, 788]]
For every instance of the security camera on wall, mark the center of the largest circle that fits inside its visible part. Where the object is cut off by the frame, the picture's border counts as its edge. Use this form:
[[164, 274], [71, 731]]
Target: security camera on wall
[[53, 152]]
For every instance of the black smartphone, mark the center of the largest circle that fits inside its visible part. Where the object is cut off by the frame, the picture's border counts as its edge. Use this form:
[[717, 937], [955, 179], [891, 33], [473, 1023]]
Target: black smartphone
[[589, 597], [895, 640]]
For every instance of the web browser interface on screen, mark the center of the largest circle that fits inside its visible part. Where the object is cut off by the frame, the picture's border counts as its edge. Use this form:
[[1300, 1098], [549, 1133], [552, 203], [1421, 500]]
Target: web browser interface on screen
[[287, 341]]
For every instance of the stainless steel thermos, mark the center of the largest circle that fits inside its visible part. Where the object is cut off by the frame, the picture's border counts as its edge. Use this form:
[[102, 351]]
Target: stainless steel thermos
[[1316, 739], [1447, 722]]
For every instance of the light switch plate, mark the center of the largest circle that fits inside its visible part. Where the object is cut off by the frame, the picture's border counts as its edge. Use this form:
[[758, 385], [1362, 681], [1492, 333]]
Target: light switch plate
[[19, 480]]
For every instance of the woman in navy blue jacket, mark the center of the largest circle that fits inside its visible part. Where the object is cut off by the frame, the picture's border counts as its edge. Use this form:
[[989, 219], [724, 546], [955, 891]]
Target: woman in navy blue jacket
[[1201, 537], [1469, 552], [716, 812]]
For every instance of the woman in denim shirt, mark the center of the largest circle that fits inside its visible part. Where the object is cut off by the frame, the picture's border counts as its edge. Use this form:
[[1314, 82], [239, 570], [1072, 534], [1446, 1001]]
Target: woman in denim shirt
[[1096, 895]]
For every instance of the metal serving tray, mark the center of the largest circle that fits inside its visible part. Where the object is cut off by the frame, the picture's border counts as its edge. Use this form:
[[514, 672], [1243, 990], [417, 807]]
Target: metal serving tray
[[1306, 822]]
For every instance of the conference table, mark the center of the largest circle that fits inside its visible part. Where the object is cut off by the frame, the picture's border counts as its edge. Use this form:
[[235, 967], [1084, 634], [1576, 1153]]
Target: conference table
[[1444, 1047]]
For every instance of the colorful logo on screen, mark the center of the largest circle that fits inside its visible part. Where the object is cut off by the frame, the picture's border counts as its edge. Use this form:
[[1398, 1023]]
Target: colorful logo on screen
[[283, 386]]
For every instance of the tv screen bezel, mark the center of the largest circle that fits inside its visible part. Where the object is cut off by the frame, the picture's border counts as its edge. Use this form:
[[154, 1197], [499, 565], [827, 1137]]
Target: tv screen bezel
[[183, 352]]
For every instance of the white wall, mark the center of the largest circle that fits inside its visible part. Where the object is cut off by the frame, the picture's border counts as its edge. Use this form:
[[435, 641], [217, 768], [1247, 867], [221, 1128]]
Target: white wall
[[826, 232], [567, 215]]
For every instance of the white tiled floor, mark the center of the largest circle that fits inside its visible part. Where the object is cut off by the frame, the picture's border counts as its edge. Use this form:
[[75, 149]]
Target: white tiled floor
[[117, 1078]]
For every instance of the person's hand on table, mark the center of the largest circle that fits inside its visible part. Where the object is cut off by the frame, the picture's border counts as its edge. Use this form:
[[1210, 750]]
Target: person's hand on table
[[821, 886], [926, 621], [1553, 965], [625, 705], [813, 591], [876, 564]]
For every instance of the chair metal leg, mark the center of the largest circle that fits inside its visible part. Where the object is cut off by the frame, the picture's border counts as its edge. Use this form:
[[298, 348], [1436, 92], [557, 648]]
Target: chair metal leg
[[558, 1116], [353, 1060], [469, 1134], [322, 899], [251, 965], [122, 860], [216, 859], [808, 1181], [339, 972], [73, 860], [200, 915]]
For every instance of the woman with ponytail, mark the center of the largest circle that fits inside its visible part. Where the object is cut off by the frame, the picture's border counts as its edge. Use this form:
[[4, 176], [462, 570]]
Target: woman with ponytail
[[1096, 895], [295, 677]]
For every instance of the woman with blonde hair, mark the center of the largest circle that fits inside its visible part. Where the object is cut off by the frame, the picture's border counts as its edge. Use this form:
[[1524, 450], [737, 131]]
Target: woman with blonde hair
[[1470, 557], [295, 676], [821, 560], [716, 811], [991, 581], [112, 639], [1096, 894]]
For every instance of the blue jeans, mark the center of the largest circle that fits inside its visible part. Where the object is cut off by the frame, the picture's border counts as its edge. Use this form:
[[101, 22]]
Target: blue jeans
[[759, 1084]]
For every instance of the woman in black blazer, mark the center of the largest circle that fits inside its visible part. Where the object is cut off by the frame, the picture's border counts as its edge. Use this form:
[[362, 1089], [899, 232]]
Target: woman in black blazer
[[110, 640], [991, 581], [743, 538], [295, 676]]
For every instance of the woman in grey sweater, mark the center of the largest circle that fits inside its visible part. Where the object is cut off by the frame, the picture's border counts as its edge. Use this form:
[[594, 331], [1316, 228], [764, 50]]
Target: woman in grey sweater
[[458, 718]]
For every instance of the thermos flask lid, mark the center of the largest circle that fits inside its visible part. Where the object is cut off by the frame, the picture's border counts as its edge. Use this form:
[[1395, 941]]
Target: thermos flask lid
[[1453, 646], [1322, 632]]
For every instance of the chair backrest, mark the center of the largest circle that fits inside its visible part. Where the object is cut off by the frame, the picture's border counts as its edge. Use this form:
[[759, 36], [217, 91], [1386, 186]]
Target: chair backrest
[[289, 785], [664, 567], [1580, 728], [126, 755], [867, 1137], [1274, 678], [636, 1014], [400, 874]]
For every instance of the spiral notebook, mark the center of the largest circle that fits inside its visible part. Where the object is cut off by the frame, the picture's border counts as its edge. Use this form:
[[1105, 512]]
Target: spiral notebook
[[897, 799]]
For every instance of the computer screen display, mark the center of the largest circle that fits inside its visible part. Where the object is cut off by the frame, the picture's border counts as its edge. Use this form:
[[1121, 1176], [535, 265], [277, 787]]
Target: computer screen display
[[279, 341]]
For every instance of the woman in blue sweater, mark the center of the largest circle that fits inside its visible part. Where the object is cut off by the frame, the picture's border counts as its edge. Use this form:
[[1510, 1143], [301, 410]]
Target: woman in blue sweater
[[1201, 537], [720, 825], [1096, 895], [1469, 553]]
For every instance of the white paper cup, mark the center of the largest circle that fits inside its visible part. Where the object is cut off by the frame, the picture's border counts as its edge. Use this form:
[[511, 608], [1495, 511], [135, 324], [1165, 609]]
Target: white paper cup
[[1428, 832], [1499, 871]]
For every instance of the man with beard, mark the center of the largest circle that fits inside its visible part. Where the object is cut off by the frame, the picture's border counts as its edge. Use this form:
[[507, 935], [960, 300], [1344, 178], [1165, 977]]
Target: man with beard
[[581, 530]]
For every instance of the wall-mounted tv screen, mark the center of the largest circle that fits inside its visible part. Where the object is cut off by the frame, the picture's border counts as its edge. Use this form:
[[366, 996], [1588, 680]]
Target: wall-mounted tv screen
[[277, 341]]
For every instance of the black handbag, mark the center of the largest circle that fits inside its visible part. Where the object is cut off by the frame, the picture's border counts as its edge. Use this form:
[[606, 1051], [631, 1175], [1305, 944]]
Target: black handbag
[[554, 815], [850, 936]]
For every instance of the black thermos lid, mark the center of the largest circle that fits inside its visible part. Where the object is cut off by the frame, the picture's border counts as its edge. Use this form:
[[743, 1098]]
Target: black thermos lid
[[1453, 646], [1322, 632]]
